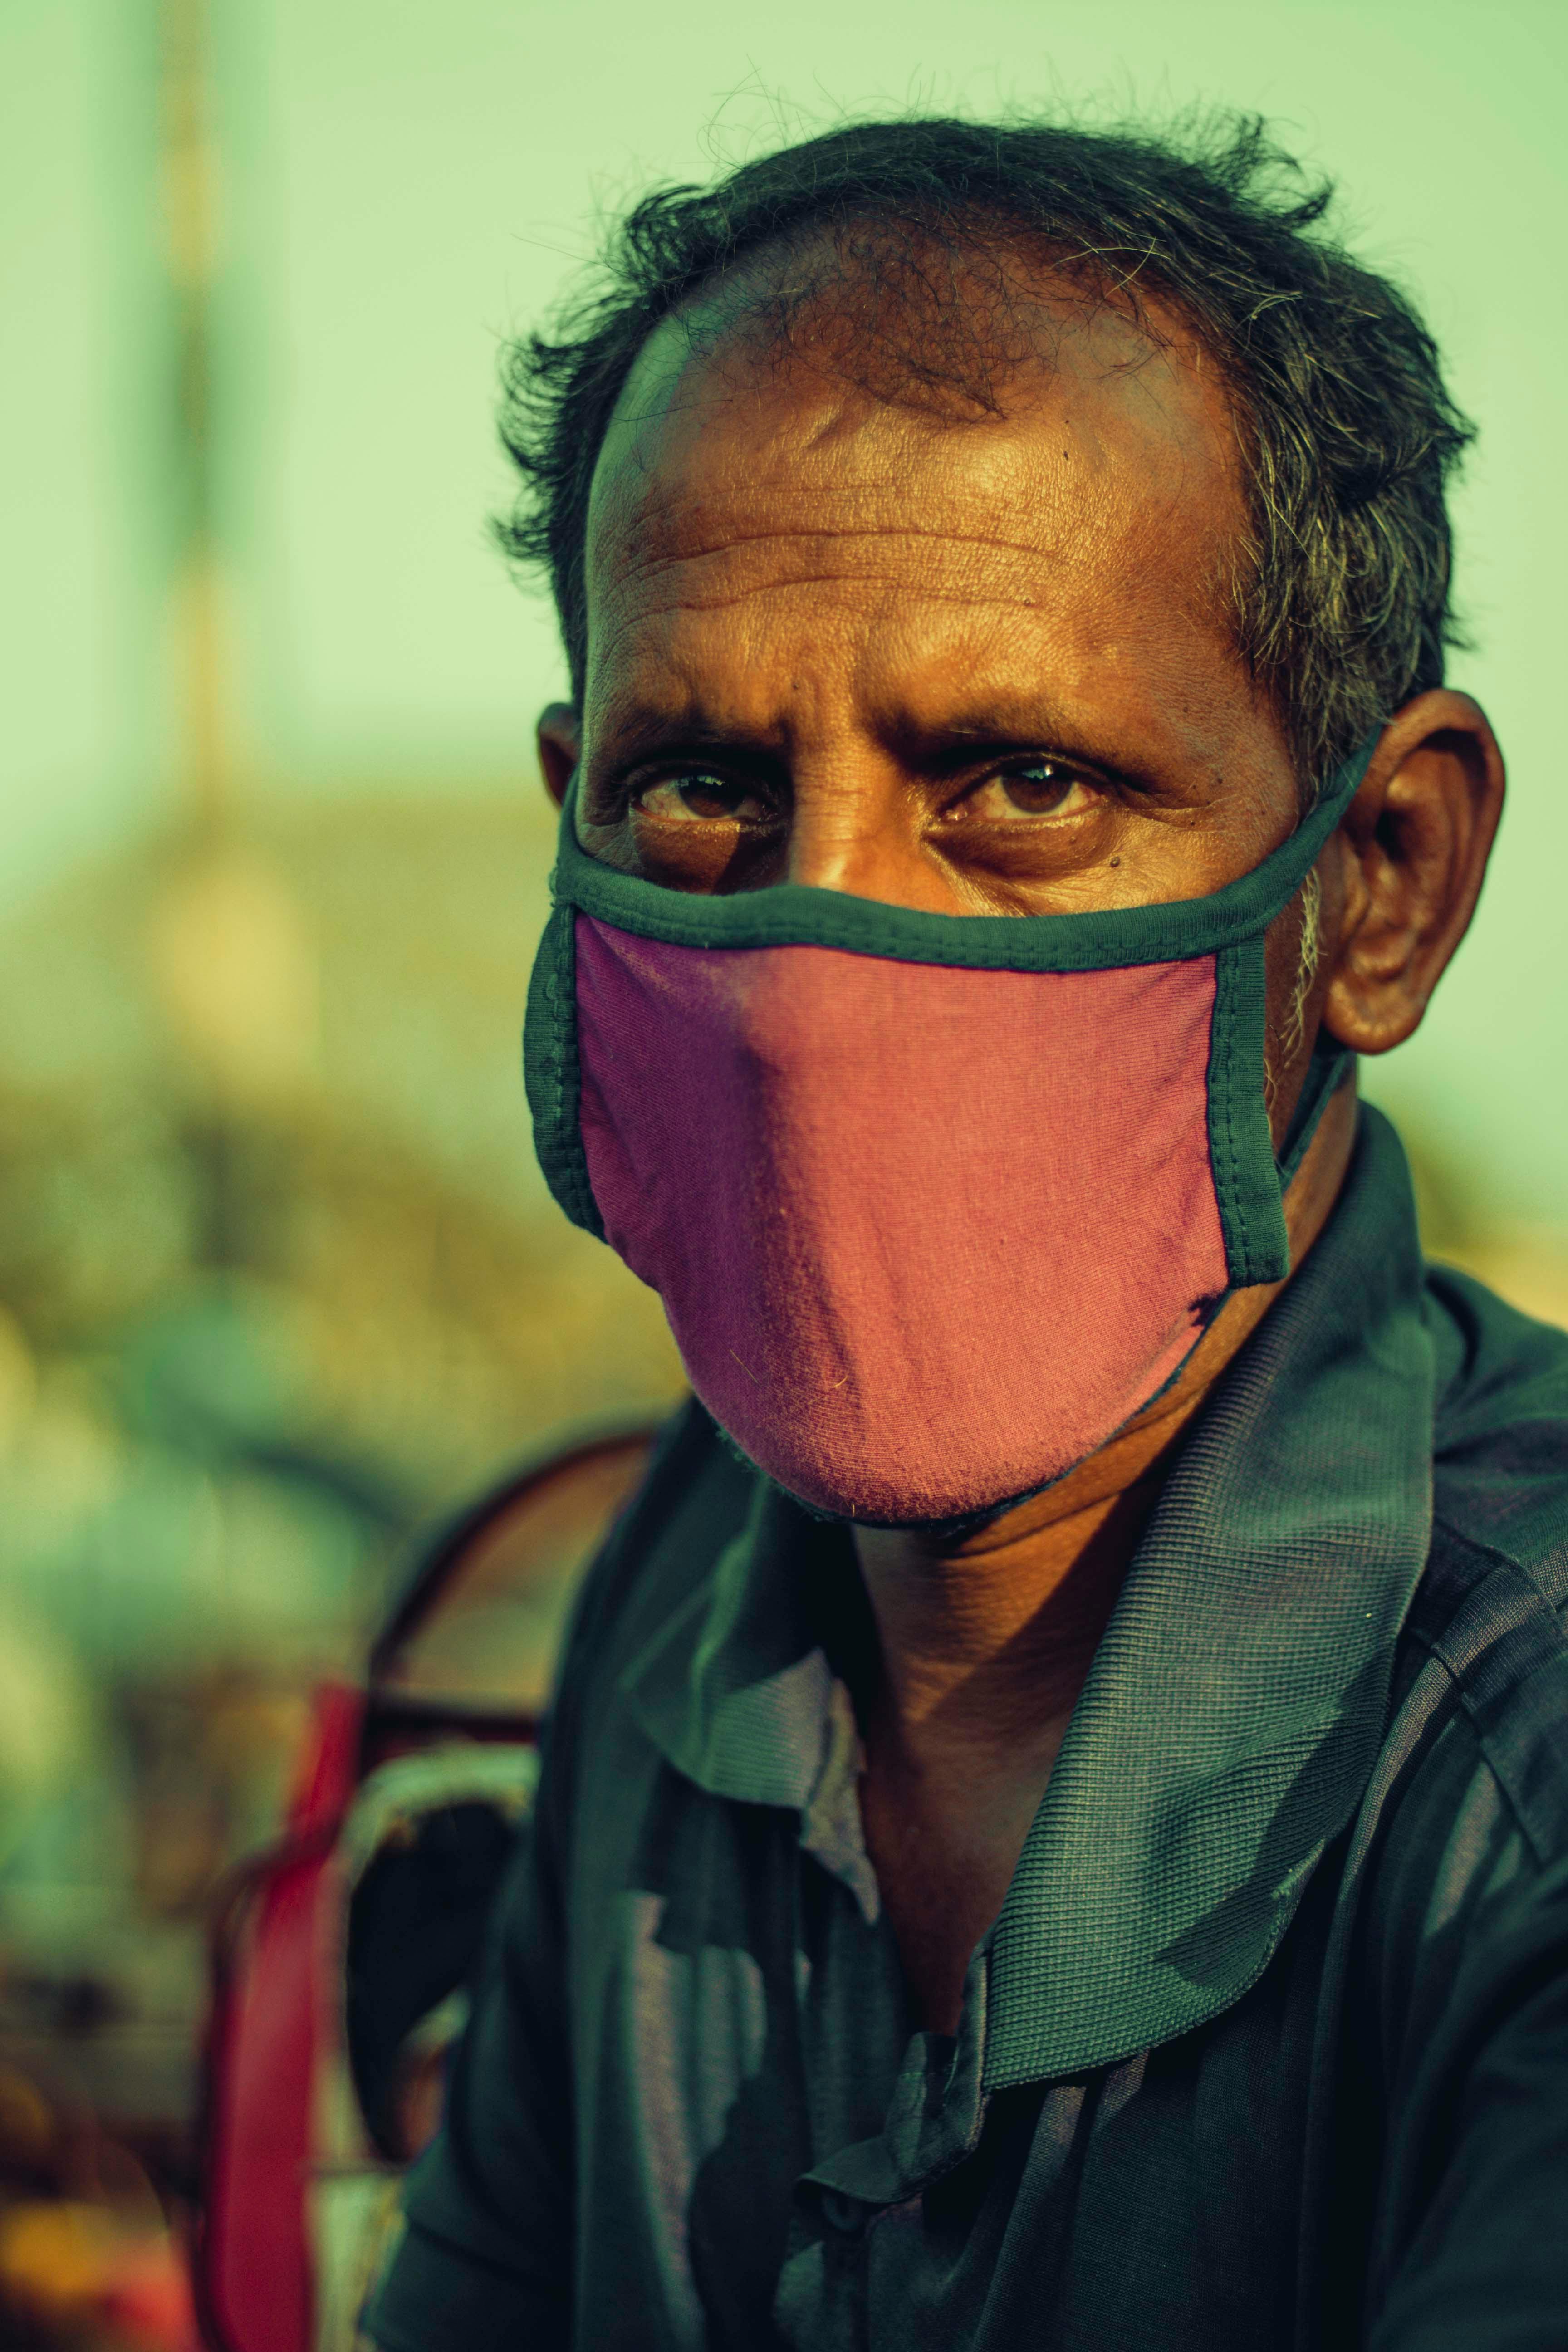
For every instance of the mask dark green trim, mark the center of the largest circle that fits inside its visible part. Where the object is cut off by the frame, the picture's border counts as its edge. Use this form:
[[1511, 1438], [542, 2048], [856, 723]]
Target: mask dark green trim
[[792, 914], [550, 1076]]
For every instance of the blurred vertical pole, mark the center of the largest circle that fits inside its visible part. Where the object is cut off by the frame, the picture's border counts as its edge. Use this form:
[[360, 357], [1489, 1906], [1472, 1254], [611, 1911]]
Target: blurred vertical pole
[[233, 964], [190, 201], [190, 195]]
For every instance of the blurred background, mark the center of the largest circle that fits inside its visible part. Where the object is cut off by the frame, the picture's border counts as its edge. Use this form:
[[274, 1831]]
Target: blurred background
[[278, 1277]]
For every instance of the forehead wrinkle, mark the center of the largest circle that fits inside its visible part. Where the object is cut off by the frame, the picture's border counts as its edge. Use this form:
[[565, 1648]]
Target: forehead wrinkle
[[727, 567], [1071, 523], [664, 510], [649, 563], [839, 585], [657, 597], [830, 589]]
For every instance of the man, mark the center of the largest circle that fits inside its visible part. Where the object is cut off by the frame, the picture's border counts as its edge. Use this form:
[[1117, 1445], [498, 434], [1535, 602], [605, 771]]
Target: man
[[1055, 1827]]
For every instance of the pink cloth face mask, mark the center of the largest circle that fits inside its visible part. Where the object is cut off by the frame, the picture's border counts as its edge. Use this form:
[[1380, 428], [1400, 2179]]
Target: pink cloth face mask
[[934, 1204]]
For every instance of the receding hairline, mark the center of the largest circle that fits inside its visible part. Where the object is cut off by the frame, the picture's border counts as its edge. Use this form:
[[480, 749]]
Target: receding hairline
[[989, 298]]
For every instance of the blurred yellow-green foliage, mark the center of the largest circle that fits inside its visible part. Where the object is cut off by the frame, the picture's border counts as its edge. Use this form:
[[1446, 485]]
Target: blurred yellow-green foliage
[[277, 1278], [275, 1287]]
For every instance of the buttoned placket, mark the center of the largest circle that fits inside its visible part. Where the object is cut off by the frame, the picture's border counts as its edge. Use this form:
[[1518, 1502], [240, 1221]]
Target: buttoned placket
[[936, 2111]]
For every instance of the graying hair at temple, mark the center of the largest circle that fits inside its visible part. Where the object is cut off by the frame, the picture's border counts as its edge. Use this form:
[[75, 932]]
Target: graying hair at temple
[[1340, 594]]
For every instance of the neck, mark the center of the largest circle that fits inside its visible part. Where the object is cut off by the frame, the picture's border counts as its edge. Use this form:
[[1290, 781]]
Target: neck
[[985, 1644]]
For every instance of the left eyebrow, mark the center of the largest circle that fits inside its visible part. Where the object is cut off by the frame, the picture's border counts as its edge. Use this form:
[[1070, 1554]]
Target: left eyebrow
[[1003, 723]]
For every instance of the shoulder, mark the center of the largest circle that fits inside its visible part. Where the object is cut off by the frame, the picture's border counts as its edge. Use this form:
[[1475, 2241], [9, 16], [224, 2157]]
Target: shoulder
[[1500, 1450], [1454, 2049], [1490, 1608], [1470, 1800]]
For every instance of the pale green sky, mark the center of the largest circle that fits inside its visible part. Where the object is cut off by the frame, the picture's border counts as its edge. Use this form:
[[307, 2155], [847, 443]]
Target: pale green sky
[[407, 183]]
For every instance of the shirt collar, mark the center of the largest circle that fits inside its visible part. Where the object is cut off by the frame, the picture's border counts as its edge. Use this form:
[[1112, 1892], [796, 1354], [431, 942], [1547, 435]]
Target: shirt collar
[[734, 1688], [1234, 1707]]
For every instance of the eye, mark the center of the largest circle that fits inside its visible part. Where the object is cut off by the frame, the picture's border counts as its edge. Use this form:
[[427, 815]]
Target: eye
[[698, 796], [1034, 788]]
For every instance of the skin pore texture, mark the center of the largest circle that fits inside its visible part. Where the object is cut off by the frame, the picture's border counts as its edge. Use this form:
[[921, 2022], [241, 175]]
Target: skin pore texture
[[981, 663]]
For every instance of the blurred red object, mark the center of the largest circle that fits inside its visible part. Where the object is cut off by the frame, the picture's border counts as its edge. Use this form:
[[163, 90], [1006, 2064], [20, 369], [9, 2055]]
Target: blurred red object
[[298, 2196], [254, 2250]]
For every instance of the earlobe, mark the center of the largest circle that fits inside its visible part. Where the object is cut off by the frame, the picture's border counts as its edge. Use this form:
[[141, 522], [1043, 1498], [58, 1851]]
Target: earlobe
[[1411, 853], [560, 748]]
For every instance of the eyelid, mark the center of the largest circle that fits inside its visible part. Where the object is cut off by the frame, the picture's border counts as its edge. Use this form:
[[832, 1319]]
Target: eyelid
[[650, 774], [1072, 771]]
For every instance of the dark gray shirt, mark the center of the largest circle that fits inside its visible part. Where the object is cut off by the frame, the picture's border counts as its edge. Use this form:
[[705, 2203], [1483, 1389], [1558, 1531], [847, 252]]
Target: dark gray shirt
[[1269, 2047]]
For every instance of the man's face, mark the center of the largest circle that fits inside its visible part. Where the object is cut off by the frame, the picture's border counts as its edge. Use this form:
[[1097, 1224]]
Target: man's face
[[977, 667]]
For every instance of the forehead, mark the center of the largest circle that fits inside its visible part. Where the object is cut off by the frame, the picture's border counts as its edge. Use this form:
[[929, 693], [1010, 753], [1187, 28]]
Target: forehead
[[1101, 498]]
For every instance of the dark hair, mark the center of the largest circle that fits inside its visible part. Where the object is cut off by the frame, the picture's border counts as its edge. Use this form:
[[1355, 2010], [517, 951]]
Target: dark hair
[[1347, 431]]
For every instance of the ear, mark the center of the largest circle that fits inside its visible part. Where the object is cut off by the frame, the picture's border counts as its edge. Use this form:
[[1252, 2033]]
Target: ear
[[560, 747], [1411, 854]]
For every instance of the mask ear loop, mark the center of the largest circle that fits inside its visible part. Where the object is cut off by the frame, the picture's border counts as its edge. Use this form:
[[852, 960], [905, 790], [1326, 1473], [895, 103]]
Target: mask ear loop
[[1327, 1071]]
